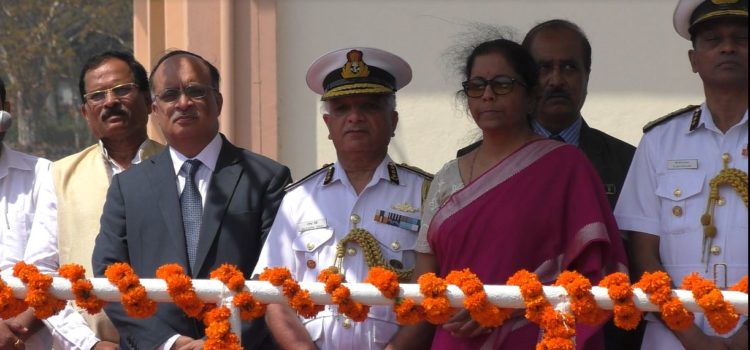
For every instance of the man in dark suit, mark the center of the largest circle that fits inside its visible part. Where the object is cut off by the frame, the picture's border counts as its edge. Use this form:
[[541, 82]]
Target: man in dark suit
[[200, 203], [563, 54]]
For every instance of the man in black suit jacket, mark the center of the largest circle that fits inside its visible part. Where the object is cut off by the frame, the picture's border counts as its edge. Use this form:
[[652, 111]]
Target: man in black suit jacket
[[563, 54], [236, 192]]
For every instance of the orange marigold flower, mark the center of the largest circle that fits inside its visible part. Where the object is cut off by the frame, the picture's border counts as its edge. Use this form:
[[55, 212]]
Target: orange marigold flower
[[386, 281], [408, 312], [720, 314], [741, 285]]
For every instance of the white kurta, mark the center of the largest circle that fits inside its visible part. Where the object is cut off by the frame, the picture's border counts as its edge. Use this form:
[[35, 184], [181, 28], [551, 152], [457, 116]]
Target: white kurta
[[19, 191], [665, 194], [319, 212]]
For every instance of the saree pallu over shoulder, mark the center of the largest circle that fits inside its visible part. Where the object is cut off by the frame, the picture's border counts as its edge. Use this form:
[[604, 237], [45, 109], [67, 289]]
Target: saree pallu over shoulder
[[542, 209]]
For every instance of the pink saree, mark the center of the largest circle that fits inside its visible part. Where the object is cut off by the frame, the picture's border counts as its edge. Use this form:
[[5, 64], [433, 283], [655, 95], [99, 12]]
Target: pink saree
[[542, 209]]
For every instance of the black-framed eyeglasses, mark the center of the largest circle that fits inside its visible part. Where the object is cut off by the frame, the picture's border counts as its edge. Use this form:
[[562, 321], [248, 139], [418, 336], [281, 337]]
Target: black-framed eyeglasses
[[119, 91], [193, 92], [501, 85]]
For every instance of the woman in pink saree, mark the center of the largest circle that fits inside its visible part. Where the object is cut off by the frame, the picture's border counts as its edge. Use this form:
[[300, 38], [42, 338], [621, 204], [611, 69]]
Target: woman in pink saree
[[517, 202]]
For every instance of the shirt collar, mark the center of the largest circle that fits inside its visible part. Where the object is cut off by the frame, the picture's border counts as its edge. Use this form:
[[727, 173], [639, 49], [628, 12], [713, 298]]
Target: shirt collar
[[136, 159], [10, 160], [381, 172], [706, 120], [571, 134], [208, 156]]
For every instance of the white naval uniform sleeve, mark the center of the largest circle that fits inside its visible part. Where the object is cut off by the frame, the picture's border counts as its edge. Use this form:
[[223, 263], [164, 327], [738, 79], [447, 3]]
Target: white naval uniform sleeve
[[277, 249], [638, 207], [68, 327]]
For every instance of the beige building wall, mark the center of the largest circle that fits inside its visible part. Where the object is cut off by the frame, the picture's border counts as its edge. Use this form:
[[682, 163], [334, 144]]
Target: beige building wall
[[263, 48]]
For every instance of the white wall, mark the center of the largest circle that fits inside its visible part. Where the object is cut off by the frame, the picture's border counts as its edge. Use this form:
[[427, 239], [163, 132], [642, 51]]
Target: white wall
[[640, 69]]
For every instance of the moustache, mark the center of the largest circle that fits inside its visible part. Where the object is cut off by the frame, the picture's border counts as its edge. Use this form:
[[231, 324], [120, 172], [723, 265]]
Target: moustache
[[114, 111], [557, 93], [178, 115]]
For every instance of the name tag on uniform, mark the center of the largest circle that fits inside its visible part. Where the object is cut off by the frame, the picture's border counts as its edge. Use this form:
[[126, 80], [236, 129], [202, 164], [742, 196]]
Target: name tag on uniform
[[682, 164], [312, 225], [393, 219]]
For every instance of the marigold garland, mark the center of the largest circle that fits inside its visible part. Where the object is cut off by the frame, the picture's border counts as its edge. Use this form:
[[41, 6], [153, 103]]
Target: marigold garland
[[582, 302], [720, 314], [9, 305], [437, 308], [475, 299], [627, 316], [82, 288], [558, 328], [133, 295], [741, 285], [386, 281], [180, 288], [219, 334], [657, 286], [233, 278], [299, 299], [37, 284], [341, 295]]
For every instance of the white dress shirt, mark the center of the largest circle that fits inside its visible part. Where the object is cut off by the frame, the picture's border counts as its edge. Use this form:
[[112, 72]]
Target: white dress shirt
[[19, 190]]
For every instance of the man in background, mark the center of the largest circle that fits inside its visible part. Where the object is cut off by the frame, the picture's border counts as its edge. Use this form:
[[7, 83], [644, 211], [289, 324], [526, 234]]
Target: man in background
[[115, 101]]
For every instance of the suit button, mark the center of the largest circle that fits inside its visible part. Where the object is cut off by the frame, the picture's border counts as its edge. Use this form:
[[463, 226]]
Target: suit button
[[351, 252], [677, 211], [310, 246], [354, 219], [347, 323], [715, 250], [725, 157], [721, 201]]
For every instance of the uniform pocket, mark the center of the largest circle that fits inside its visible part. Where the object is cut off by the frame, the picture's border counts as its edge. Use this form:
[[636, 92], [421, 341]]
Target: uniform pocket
[[397, 246], [313, 252], [681, 206]]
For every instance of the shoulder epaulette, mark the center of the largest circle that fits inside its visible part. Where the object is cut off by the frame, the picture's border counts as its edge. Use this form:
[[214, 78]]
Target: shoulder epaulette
[[416, 170], [669, 116], [309, 176], [427, 179]]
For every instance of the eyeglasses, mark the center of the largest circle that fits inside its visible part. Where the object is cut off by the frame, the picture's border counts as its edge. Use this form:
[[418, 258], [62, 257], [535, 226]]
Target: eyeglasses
[[501, 85], [120, 91], [193, 92]]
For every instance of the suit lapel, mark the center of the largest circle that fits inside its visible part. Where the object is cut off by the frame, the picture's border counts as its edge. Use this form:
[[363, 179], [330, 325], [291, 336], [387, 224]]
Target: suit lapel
[[164, 187], [220, 191]]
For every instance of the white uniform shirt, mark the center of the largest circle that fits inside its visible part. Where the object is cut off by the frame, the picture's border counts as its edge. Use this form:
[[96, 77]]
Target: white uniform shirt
[[318, 212], [666, 192], [68, 327], [19, 190]]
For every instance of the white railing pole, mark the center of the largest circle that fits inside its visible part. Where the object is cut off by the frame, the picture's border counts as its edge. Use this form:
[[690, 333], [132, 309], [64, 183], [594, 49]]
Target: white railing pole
[[213, 291]]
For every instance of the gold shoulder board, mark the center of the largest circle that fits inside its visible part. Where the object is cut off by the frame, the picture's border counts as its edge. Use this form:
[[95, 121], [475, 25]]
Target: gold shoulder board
[[669, 116], [309, 176]]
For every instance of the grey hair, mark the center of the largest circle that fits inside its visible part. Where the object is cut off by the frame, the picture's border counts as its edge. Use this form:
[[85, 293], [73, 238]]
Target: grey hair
[[390, 103]]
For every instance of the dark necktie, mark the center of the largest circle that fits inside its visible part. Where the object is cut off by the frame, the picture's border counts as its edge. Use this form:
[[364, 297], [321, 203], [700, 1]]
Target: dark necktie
[[557, 137], [192, 208]]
